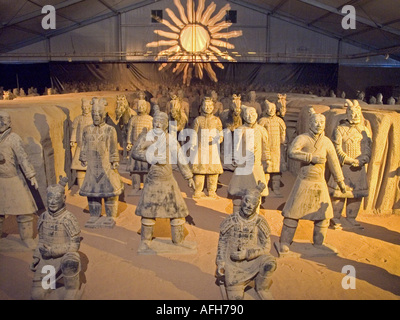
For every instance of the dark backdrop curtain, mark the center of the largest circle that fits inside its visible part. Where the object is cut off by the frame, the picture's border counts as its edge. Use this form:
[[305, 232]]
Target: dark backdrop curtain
[[129, 76]]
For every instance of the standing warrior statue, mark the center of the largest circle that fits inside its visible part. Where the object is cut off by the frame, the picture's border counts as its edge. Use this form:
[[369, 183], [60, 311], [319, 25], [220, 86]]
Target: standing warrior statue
[[253, 139], [59, 241], [100, 154], [207, 161], [80, 122], [353, 143], [161, 196], [252, 102], [243, 249], [277, 142], [309, 198], [15, 196], [123, 113], [141, 123]]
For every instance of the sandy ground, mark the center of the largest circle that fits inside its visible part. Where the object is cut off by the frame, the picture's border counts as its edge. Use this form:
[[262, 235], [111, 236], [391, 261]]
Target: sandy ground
[[113, 269]]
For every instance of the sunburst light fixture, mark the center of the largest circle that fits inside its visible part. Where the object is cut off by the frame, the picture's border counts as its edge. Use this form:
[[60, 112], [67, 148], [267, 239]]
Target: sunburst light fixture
[[194, 40]]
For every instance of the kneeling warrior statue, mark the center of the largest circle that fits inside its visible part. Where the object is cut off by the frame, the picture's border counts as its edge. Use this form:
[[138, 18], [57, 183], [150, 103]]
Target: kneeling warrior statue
[[59, 241], [243, 249]]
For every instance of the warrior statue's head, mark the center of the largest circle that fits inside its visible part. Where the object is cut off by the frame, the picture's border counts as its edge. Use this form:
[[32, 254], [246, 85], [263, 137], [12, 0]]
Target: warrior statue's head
[[56, 195], [251, 201], [353, 111], [98, 110], [317, 122]]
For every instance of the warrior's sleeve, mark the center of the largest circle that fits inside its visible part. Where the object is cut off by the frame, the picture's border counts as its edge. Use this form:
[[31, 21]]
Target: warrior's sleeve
[[333, 161], [84, 150], [225, 227], [183, 163], [266, 152], [71, 225], [114, 156], [196, 127], [264, 233], [74, 129], [337, 139], [129, 134], [36, 253], [139, 149], [295, 150], [219, 129], [22, 157], [282, 127]]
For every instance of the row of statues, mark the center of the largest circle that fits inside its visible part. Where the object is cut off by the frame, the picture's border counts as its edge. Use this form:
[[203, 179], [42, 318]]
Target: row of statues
[[244, 242]]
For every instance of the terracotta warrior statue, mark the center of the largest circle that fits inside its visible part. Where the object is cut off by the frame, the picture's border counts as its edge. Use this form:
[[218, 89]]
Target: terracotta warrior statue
[[141, 123], [207, 163], [252, 102], [15, 197], [250, 168], [309, 198], [80, 122], [352, 139], [177, 113], [123, 113], [244, 249], [218, 106], [231, 118], [59, 241], [142, 97], [277, 142], [161, 196], [102, 180]]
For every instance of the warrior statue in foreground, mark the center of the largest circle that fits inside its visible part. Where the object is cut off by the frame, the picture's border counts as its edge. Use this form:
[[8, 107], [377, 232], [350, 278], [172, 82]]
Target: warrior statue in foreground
[[59, 241], [243, 249]]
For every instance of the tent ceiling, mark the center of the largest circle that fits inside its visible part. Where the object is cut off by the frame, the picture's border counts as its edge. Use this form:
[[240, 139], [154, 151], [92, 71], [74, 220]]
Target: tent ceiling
[[378, 21]]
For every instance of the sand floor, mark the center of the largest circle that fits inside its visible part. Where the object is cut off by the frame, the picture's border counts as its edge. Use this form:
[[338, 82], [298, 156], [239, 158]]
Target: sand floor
[[113, 270]]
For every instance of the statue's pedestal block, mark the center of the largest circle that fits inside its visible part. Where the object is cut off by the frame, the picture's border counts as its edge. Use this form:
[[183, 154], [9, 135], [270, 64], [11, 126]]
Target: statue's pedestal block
[[166, 246], [101, 222], [13, 243], [306, 249]]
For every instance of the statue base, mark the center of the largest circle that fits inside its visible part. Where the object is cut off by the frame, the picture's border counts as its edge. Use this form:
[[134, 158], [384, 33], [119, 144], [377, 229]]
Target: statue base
[[100, 222], [13, 243], [166, 246], [306, 249]]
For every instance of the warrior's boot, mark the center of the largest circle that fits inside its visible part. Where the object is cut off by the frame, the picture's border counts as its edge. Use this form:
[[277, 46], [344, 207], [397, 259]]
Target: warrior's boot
[[111, 206], [146, 233], [235, 292], [198, 186], [287, 234], [95, 212], [25, 227], [177, 230], [71, 267], [212, 184], [337, 205], [319, 235], [352, 208], [178, 233], [263, 283]]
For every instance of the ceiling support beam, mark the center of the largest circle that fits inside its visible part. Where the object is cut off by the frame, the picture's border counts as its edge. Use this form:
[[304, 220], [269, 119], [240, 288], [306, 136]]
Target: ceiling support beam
[[38, 13], [362, 20]]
